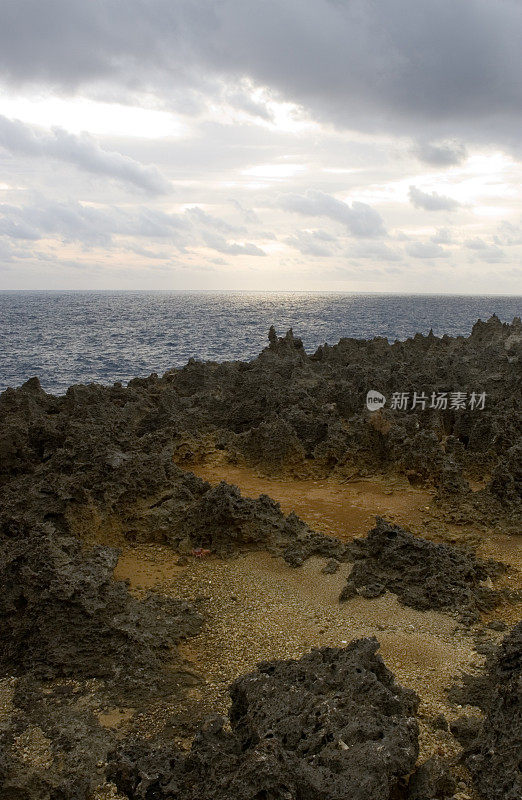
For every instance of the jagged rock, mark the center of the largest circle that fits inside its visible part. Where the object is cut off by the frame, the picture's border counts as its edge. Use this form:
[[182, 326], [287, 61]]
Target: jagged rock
[[332, 725], [63, 615], [421, 573], [431, 781], [506, 481], [492, 748], [223, 520], [50, 748], [330, 567], [286, 410]]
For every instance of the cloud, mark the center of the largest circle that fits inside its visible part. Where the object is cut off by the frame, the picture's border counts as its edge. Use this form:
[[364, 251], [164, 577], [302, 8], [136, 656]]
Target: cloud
[[201, 217], [442, 236], [311, 243], [426, 250], [475, 244], [219, 243], [360, 219], [491, 253], [81, 151], [443, 154], [248, 214], [509, 234], [242, 101], [6, 252], [431, 202], [357, 63], [97, 227], [376, 250]]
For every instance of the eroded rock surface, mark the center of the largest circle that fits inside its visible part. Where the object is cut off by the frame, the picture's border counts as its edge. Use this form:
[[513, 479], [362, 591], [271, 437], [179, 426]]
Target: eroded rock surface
[[287, 411], [63, 615], [98, 465], [333, 724], [493, 748], [421, 573], [50, 748]]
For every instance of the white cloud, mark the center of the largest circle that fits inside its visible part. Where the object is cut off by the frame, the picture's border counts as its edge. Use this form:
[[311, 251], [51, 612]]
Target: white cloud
[[491, 253], [442, 236], [431, 202], [81, 151], [360, 219], [426, 250], [311, 243], [219, 243], [98, 227], [475, 244]]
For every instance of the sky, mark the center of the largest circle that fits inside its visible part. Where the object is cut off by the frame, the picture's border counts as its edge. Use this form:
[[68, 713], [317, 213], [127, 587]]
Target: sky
[[332, 145]]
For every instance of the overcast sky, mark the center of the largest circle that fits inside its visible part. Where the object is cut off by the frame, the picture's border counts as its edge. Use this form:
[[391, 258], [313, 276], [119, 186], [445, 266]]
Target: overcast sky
[[356, 145]]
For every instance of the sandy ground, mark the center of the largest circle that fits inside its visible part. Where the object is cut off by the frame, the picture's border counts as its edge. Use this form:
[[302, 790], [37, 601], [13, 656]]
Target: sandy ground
[[257, 607], [338, 509]]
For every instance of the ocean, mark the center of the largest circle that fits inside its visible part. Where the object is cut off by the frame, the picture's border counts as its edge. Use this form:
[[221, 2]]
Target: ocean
[[67, 337]]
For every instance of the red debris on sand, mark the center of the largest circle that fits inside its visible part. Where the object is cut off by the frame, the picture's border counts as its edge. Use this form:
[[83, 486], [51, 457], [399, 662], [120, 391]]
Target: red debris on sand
[[200, 552]]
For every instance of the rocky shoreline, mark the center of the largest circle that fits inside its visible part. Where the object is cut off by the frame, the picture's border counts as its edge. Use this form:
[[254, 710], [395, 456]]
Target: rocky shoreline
[[103, 468]]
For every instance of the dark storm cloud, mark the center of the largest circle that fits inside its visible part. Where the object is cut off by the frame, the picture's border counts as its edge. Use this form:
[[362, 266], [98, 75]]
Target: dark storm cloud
[[360, 219], [81, 151], [431, 201], [389, 63]]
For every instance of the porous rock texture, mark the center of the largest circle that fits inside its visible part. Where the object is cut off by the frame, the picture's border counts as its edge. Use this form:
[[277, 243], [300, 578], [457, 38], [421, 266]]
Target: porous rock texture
[[50, 749], [100, 479], [105, 464], [63, 615], [423, 574], [333, 725], [493, 749], [105, 451]]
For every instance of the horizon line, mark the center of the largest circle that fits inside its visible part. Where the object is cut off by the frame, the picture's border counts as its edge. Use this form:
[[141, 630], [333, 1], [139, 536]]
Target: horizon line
[[279, 291]]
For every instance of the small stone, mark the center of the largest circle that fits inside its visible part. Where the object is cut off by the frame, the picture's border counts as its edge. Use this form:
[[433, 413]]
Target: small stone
[[497, 625], [330, 567], [371, 591], [348, 592], [440, 723]]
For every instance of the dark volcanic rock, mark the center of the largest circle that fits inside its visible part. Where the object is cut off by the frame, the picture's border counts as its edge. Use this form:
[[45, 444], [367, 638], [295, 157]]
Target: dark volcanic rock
[[506, 481], [421, 573], [63, 615], [493, 748], [222, 520], [431, 781], [286, 410], [50, 750], [332, 725]]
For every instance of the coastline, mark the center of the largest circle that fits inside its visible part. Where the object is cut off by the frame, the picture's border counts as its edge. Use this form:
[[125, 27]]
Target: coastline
[[191, 525]]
